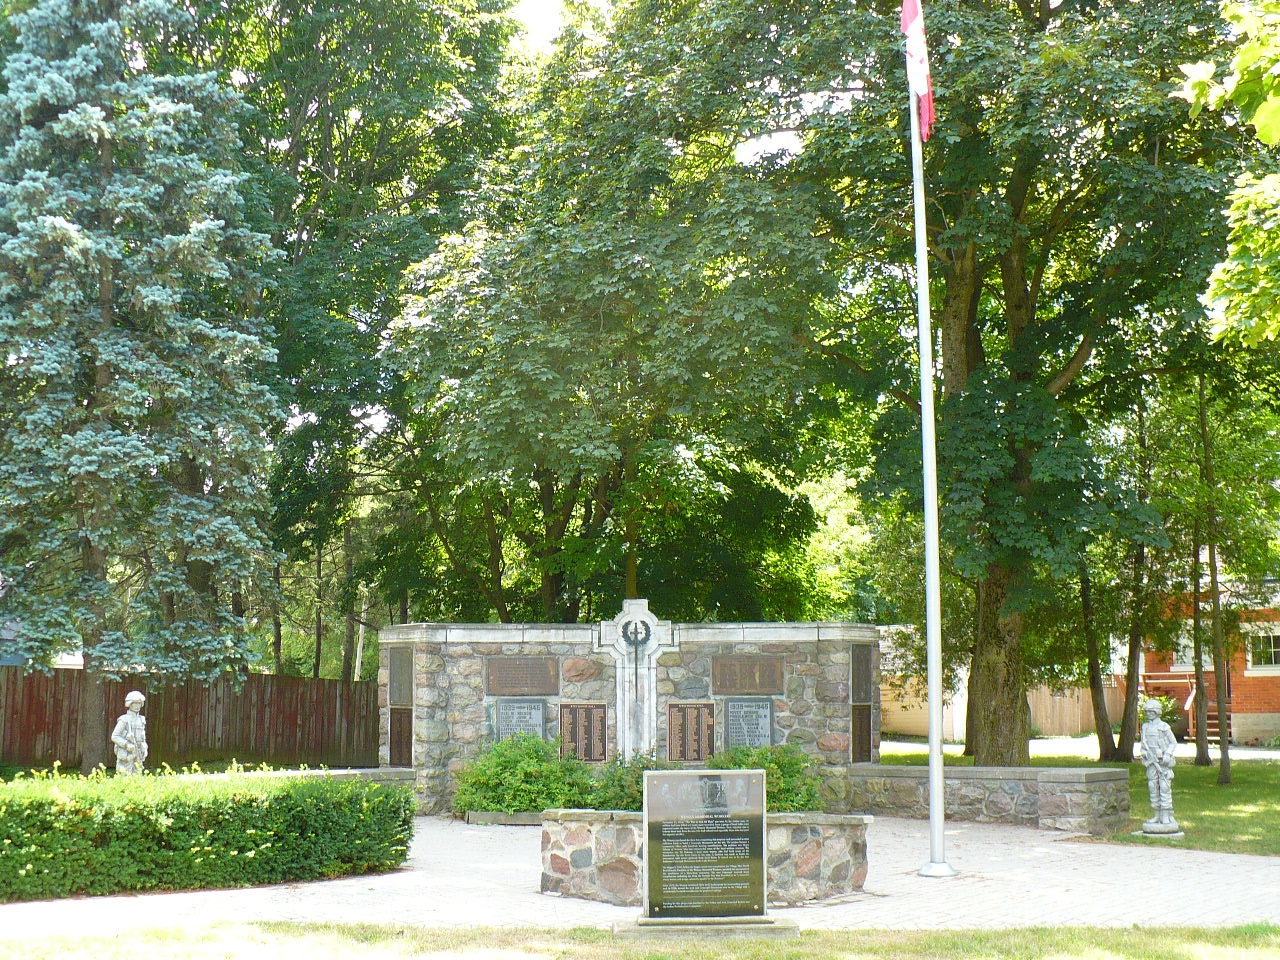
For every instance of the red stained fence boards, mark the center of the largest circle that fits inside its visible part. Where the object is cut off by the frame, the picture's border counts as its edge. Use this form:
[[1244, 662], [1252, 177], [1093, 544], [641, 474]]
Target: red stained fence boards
[[270, 719]]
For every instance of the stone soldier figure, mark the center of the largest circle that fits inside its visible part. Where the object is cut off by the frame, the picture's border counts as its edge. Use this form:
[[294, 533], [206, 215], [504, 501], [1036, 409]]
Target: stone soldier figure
[[1158, 743], [130, 736]]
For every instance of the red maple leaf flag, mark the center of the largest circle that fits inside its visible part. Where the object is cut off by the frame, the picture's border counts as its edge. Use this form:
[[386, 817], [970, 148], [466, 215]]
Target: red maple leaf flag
[[918, 63]]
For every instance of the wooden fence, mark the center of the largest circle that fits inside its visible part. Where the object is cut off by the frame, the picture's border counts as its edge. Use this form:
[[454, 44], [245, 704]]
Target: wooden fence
[[1066, 713], [276, 720]]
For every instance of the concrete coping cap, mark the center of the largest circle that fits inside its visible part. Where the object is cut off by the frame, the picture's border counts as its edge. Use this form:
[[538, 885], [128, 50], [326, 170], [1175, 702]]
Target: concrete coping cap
[[1045, 774]]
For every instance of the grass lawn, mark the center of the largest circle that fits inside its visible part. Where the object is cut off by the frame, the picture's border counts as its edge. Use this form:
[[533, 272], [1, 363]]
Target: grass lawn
[[334, 942], [1240, 817]]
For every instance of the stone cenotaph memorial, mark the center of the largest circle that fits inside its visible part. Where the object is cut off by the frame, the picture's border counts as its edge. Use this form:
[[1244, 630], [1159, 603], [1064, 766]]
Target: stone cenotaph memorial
[[632, 684]]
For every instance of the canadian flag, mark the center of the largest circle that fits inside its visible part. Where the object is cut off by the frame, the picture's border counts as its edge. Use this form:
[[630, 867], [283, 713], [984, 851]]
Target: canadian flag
[[918, 63]]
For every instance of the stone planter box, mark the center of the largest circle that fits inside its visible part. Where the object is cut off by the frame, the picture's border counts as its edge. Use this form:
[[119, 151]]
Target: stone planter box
[[1078, 799], [599, 855]]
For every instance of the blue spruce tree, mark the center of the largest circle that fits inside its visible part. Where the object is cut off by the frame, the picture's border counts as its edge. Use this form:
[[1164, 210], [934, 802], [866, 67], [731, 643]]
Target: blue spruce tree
[[133, 409]]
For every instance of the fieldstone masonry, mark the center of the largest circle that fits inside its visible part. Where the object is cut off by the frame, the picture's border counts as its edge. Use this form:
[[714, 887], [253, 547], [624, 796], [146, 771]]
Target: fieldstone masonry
[[820, 682], [1075, 799], [599, 855]]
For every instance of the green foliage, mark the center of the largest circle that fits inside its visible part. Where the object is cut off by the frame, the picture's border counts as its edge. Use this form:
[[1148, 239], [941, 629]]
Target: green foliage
[[1243, 289], [790, 784], [1252, 82], [619, 784], [66, 836], [133, 412], [522, 773], [1170, 709]]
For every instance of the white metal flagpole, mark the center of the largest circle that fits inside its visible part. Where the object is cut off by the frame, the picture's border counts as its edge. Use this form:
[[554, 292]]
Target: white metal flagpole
[[913, 26]]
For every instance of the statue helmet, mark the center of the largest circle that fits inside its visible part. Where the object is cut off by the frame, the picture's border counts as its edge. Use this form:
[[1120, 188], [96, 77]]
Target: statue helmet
[[1151, 706], [134, 696]]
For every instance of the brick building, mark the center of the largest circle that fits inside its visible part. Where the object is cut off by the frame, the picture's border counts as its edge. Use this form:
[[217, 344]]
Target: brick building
[[1253, 678]]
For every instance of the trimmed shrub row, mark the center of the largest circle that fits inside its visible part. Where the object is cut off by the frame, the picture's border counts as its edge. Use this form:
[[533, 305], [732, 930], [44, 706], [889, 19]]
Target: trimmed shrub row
[[65, 836], [525, 773]]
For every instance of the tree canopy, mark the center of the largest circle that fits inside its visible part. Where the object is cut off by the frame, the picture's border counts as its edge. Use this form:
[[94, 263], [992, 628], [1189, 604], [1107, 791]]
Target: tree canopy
[[1243, 289], [347, 293]]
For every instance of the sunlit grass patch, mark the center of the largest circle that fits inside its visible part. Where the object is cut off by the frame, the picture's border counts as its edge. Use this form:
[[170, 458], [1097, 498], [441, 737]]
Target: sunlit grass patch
[[1239, 817], [391, 942]]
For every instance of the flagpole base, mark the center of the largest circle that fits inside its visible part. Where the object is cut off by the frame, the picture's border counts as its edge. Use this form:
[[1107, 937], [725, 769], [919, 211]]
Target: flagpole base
[[936, 869]]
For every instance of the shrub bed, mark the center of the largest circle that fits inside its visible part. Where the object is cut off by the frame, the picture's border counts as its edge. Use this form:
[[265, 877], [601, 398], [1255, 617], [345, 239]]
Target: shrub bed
[[526, 774], [63, 836]]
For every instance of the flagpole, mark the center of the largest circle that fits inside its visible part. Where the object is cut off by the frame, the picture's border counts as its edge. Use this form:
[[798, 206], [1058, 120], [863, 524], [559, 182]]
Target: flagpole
[[937, 865]]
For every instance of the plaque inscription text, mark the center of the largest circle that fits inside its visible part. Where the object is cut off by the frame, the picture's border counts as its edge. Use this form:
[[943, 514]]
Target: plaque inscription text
[[691, 731], [583, 731]]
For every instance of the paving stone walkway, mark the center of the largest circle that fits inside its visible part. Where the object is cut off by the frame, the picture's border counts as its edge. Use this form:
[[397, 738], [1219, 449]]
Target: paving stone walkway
[[463, 875]]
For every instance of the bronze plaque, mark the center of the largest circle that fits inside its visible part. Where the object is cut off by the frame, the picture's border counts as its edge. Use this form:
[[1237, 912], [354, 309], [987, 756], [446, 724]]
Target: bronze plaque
[[522, 676], [691, 731], [705, 855], [862, 681], [860, 748], [583, 731], [746, 676], [400, 681], [401, 741]]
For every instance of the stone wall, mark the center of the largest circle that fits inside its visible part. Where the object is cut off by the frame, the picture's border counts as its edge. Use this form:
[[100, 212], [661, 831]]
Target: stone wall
[[453, 714], [599, 855], [444, 687], [1076, 799]]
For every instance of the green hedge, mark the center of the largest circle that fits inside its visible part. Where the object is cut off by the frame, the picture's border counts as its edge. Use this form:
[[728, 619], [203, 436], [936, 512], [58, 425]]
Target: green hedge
[[64, 836], [525, 774], [522, 772]]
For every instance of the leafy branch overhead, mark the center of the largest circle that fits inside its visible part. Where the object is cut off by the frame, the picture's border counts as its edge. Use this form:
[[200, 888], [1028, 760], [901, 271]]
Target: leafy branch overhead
[[1244, 288]]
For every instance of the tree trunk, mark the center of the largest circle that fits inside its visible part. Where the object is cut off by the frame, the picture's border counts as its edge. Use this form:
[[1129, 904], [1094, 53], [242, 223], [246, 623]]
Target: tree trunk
[[1139, 597], [631, 585], [319, 628], [1101, 716], [1219, 665], [1133, 651], [997, 681], [364, 619], [968, 713], [277, 629], [93, 557], [349, 614], [1215, 598], [92, 718], [1201, 702]]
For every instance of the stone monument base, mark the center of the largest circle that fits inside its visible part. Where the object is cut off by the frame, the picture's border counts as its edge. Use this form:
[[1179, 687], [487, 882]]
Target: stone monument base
[[1160, 831], [726, 928]]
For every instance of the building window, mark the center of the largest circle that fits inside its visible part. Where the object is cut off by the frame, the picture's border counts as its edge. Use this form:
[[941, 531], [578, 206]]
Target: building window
[[1264, 650], [1184, 650]]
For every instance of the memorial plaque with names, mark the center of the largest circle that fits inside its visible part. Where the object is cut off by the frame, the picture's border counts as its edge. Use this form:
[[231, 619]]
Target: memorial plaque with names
[[748, 722], [705, 852], [522, 676], [583, 731], [860, 733], [400, 679], [746, 675], [691, 731], [522, 716], [862, 680]]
